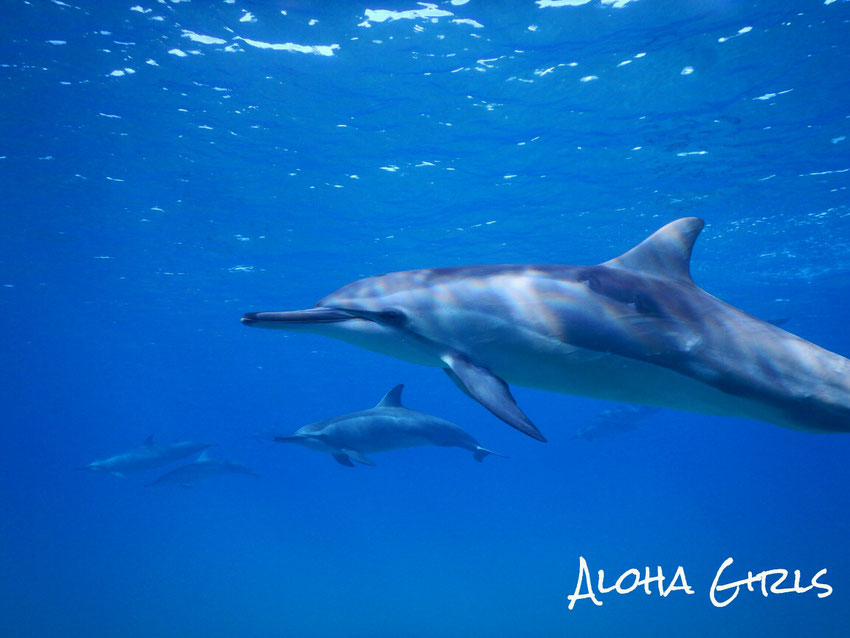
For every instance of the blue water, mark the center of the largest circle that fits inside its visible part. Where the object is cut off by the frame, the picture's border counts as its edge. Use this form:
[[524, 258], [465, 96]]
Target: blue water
[[164, 171]]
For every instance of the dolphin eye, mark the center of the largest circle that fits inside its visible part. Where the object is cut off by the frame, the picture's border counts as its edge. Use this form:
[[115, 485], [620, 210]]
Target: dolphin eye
[[392, 316]]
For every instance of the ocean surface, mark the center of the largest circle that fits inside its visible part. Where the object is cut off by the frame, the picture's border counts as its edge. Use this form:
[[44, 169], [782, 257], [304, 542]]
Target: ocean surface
[[170, 165]]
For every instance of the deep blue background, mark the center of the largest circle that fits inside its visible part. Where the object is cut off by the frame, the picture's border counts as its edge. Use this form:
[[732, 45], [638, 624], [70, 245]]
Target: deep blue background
[[121, 303]]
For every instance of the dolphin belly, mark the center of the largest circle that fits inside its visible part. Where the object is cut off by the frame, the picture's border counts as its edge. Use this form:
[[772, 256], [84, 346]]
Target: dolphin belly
[[621, 379]]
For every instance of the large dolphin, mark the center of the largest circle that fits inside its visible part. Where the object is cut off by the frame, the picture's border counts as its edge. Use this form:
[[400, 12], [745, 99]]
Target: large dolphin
[[147, 456], [387, 426], [634, 329], [201, 469]]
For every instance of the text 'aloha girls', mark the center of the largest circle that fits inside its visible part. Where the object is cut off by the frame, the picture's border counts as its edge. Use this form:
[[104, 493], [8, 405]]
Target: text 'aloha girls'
[[723, 590]]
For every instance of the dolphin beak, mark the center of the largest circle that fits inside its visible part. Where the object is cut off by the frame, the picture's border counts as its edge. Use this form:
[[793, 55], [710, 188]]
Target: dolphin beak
[[295, 317]]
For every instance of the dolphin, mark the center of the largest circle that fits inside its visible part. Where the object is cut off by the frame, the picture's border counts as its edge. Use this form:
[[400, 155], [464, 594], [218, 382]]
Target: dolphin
[[387, 426], [200, 469], [634, 329], [620, 418], [148, 456]]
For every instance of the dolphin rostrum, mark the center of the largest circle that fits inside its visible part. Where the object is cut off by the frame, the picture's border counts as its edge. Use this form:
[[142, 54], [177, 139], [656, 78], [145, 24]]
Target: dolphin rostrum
[[147, 456], [387, 426], [201, 469], [633, 329]]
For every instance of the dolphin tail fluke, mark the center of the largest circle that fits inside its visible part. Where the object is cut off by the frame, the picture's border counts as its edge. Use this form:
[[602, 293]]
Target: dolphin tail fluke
[[480, 452]]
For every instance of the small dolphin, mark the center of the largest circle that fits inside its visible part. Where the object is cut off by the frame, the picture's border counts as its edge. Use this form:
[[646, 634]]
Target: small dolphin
[[620, 418], [635, 329], [387, 426], [148, 456], [200, 469]]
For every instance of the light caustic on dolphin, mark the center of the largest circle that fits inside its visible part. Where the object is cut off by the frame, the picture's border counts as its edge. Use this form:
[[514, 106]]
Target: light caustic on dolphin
[[634, 329]]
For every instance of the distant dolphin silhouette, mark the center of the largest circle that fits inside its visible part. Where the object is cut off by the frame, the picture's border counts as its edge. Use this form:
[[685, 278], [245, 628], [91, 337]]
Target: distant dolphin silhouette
[[634, 329], [201, 469], [620, 418], [148, 456], [387, 426]]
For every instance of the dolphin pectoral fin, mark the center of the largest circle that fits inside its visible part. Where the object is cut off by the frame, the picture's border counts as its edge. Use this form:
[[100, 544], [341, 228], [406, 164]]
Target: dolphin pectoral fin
[[458, 382], [357, 456], [491, 392], [343, 459]]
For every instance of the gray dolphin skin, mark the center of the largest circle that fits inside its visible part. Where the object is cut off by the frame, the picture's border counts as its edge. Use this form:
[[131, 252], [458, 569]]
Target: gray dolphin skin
[[147, 456], [387, 426], [201, 469], [635, 329]]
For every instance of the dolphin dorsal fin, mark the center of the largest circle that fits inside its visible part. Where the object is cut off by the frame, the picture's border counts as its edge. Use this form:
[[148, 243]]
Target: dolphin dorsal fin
[[665, 253], [149, 440], [392, 399], [202, 457]]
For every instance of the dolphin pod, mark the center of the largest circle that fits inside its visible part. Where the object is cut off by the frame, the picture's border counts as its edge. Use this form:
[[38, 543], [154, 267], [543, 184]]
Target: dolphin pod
[[633, 329], [387, 426], [147, 456]]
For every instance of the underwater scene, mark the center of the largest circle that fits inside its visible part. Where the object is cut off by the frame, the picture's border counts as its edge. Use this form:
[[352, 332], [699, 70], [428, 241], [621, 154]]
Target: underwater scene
[[462, 318]]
